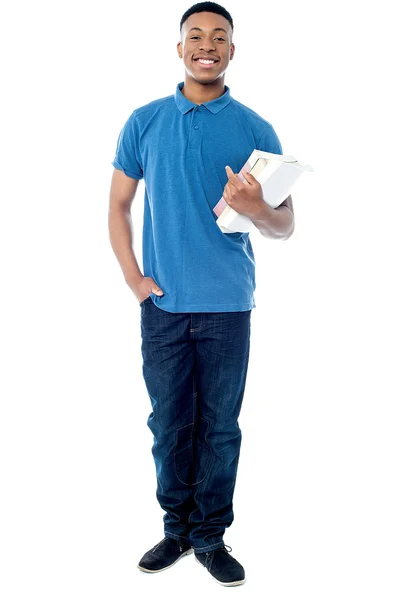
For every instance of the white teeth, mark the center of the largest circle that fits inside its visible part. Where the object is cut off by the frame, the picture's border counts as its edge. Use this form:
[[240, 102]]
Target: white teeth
[[206, 62]]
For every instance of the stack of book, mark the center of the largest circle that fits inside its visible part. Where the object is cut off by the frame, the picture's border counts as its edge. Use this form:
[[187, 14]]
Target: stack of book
[[277, 174]]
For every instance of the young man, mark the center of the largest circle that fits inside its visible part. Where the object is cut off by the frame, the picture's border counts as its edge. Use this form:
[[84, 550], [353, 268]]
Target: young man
[[196, 293]]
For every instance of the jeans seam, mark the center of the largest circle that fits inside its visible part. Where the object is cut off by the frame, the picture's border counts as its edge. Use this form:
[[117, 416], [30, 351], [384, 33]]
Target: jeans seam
[[174, 453]]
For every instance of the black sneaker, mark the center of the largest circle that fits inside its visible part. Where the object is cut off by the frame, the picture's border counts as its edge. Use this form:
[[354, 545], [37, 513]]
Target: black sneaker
[[164, 555], [224, 568]]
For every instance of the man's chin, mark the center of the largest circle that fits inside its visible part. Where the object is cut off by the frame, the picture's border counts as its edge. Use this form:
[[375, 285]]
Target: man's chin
[[204, 79]]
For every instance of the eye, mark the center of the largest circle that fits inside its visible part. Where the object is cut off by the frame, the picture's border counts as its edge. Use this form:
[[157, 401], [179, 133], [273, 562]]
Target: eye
[[195, 37]]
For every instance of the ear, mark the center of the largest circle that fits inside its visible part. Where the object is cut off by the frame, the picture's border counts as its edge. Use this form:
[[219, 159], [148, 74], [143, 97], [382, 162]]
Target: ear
[[232, 50], [179, 50]]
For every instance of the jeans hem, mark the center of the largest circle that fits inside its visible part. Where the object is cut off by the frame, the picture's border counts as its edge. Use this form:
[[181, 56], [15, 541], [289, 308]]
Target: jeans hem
[[209, 548], [174, 536]]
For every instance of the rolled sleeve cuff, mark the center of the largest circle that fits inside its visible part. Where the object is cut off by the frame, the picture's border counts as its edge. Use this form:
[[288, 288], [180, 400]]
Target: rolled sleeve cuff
[[125, 171]]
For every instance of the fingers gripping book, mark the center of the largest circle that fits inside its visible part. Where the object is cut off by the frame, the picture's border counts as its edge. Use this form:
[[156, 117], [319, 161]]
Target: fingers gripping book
[[277, 174]]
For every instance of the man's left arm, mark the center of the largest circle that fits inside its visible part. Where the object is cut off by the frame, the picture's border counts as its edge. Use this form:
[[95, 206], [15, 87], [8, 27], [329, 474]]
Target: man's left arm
[[247, 199]]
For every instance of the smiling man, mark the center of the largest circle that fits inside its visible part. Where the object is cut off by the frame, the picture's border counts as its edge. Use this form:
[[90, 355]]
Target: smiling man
[[196, 292]]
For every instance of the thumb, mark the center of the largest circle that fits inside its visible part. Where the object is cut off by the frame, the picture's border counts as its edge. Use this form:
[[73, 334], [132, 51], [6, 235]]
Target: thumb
[[156, 290]]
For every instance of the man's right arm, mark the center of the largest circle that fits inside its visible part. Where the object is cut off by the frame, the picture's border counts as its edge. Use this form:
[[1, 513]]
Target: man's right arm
[[122, 193]]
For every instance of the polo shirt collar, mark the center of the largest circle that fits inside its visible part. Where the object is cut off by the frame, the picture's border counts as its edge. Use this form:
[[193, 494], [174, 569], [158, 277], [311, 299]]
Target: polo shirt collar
[[184, 104]]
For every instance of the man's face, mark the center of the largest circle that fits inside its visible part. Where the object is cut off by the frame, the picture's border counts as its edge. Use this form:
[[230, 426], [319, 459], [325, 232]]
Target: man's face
[[204, 41]]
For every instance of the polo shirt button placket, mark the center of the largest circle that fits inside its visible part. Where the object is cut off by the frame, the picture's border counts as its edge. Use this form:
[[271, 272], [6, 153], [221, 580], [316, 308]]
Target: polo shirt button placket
[[196, 111], [195, 139]]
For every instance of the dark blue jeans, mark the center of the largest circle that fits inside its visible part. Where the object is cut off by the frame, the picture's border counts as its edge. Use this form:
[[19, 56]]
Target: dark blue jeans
[[195, 369]]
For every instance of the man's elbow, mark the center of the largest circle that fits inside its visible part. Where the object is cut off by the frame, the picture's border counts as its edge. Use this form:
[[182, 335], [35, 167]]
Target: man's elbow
[[287, 235]]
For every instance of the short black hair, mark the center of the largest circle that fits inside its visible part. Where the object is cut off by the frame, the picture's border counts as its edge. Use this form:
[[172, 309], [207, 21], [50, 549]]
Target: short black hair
[[207, 7]]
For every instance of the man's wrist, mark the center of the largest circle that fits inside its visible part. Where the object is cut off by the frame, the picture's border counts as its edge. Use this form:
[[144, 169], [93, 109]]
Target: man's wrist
[[262, 211], [132, 279]]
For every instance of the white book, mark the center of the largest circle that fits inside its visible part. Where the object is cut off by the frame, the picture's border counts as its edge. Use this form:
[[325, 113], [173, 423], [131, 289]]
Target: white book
[[277, 174]]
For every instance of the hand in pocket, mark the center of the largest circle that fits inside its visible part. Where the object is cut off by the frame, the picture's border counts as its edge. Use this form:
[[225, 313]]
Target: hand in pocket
[[144, 288]]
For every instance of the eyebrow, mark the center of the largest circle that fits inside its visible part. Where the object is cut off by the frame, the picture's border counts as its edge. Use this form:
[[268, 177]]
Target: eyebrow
[[216, 29]]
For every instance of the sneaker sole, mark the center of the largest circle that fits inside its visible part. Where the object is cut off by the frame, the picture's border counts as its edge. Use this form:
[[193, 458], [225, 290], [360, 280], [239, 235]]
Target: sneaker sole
[[227, 584], [168, 567]]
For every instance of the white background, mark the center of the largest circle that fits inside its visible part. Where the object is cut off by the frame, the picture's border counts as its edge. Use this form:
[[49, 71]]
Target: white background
[[317, 490]]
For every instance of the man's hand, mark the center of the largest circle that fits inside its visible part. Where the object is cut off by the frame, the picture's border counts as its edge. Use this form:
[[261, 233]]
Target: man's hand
[[143, 287], [244, 198]]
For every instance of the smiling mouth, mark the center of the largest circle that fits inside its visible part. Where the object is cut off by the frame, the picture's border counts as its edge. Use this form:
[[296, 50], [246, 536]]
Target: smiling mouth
[[206, 63]]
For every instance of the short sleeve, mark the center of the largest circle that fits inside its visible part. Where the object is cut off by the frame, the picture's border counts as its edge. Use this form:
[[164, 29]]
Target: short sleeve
[[269, 141], [127, 156]]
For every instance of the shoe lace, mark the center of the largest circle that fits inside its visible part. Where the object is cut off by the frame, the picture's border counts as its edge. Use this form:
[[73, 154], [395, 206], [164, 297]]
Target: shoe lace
[[209, 555]]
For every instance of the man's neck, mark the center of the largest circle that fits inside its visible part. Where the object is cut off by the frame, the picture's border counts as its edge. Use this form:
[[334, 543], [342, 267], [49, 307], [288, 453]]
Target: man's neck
[[200, 93]]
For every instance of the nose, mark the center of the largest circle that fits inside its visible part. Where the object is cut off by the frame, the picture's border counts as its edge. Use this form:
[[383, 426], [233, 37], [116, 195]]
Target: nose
[[207, 45]]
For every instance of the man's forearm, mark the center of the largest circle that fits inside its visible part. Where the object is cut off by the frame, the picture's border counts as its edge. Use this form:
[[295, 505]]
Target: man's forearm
[[274, 223], [121, 237]]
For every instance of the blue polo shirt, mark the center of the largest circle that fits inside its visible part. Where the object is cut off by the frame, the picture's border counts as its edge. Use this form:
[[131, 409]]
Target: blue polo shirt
[[181, 149]]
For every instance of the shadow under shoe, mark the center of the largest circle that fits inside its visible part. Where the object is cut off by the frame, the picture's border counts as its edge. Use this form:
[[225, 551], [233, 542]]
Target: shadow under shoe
[[225, 569], [164, 555]]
